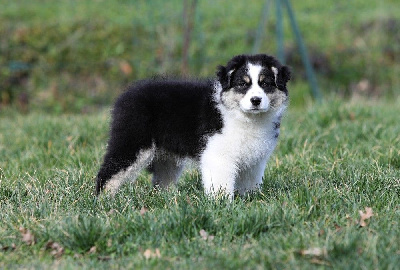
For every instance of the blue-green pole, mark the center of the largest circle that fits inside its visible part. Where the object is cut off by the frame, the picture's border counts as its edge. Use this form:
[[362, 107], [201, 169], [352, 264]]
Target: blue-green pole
[[261, 28], [304, 55], [279, 32]]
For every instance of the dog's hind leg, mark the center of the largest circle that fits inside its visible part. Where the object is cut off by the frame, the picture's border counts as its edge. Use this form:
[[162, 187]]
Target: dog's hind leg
[[116, 170], [130, 147], [111, 167], [166, 171]]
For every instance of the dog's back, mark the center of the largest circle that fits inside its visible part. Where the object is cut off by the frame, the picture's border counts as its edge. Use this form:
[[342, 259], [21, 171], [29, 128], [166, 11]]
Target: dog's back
[[172, 114]]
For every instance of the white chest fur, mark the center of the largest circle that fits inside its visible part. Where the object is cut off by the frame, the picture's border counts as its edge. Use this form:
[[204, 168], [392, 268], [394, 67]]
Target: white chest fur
[[245, 140], [236, 157]]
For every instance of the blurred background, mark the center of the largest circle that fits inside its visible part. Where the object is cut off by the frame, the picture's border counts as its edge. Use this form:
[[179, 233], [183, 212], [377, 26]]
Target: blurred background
[[70, 56]]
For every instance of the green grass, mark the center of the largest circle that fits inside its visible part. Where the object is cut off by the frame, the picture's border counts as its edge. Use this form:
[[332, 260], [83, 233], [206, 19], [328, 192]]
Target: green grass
[[333, 160]]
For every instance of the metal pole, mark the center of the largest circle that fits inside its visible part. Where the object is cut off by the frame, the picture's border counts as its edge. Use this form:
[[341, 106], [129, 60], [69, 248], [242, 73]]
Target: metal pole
[[279, 32], [304, 55], [261, 28]]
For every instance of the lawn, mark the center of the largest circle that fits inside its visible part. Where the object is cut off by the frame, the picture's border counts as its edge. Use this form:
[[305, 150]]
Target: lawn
[[330, 199], [331, 193]]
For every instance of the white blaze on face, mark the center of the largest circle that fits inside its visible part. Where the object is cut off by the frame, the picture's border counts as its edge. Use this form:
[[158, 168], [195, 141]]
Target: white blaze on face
[[254, 92]]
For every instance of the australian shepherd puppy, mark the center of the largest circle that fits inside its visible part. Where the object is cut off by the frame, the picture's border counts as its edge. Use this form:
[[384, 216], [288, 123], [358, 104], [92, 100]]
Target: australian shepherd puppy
[[229, 125]]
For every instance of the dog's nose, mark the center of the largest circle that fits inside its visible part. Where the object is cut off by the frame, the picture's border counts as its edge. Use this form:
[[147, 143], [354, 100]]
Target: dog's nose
[[255, 100]]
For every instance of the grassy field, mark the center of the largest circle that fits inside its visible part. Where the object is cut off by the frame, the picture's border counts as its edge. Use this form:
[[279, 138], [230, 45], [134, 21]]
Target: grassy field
[[333, 161], [331, 195]]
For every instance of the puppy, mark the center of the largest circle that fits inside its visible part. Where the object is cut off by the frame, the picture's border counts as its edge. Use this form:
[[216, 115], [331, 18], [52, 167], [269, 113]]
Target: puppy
[[228, 125]]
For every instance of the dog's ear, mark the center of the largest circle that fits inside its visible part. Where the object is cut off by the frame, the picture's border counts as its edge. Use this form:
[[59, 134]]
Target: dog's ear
[[223, 76], [284, 75]]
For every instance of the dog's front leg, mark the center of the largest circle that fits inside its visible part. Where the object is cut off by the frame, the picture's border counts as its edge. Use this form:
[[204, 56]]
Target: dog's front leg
[[251, 178], [218, 175]]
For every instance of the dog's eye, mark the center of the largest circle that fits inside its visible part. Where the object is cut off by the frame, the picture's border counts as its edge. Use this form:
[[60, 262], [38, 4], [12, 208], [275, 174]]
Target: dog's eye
[[246, 81], [244, 84], [267, 84]]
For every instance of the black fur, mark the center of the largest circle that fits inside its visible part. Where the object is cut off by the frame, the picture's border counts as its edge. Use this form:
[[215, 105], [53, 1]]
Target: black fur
[[175, 115]]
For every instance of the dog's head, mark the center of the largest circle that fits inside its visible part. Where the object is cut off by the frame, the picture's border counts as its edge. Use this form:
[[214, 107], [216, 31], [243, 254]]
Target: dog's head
[[253, 83]]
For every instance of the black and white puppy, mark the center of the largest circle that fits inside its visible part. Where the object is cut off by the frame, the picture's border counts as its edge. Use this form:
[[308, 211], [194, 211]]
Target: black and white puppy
[[229, 125]]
